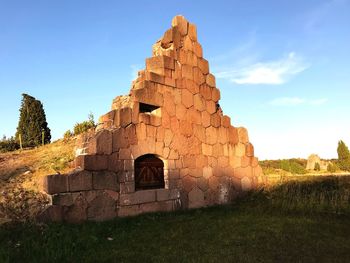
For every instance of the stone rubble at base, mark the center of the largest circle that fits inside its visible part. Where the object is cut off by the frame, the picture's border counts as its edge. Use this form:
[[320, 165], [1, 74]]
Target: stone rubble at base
[[207, 161]]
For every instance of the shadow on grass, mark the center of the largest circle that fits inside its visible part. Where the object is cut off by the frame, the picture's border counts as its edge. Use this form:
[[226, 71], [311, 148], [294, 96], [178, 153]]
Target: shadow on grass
[[262, 226]]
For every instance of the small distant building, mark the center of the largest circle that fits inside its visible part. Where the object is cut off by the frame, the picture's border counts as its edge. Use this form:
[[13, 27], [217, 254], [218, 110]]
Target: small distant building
[[313, 159]]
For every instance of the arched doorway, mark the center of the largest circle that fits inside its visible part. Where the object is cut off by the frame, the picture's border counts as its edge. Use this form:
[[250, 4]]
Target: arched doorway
[[149, 172]]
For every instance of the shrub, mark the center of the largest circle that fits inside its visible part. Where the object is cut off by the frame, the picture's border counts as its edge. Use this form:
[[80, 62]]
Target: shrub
[[332, 168], [67, 135], [85, 125], [343, 156], [8, 145], [292, 166]]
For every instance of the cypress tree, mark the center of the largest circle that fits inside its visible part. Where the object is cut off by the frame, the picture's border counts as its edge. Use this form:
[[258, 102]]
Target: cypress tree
[[32, 122], [343, 156]]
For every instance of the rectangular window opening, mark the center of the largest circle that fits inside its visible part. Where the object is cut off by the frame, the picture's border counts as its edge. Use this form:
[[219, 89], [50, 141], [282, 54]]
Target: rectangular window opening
[[147, 108]]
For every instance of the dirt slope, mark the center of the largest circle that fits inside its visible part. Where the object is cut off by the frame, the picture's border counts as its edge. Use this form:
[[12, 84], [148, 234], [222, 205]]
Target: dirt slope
[[21, 174]]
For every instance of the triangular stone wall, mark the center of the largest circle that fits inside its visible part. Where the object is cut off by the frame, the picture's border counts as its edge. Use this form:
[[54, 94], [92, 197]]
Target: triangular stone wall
[[173, 112]]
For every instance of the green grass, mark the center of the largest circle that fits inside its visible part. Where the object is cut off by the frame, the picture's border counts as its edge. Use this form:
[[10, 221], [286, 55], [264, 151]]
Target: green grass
[[306, 221]]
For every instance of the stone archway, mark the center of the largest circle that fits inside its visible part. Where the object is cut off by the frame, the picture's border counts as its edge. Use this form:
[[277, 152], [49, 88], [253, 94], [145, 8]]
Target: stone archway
[[149, 172]]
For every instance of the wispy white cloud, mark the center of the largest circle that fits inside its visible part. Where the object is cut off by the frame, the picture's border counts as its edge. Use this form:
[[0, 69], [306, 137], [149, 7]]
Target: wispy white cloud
[[271, 72], [295, 101]]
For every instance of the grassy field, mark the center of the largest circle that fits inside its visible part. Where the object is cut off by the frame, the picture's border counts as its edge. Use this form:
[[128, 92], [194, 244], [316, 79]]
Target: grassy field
[[299, 221]]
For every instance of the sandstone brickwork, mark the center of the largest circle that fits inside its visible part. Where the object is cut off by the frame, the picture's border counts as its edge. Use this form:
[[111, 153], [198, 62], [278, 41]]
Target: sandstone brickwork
[[172, 112]]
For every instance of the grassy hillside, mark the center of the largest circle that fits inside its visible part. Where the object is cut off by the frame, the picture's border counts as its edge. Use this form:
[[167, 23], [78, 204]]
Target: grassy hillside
[[21, 174], [304, 221]]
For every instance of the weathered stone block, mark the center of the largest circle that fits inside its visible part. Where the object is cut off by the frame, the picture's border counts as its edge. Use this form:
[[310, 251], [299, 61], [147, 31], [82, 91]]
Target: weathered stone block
[[63, 199], [196, 198], [160, 62], [93, 162], [226, 121], [186, 98], [190, 85], [119, 139], [131, 210], [233, 135], [240, 149], [210, 80], [105, 180], [207, 149], [80, 181], [215, 94], [154, 77], [181, 23], [218, 150], [197, 49], [126, 176], [187, 71], [186, 128], [235, 161], [215, 120], [211, 135], [245, 161], [56, 183], [164, 206], [188, 183], [149, 96], [249, 150], [101, 143], [223, 135], [125, 116], [211, 106], [242, 135], [199, 102], [101, 208], [255, 162], [241, 172], [168, 137], [53, 213], [139, 197], [203, 65], [199, 132], [127, 187], [203, 183], [155, 120], [192, 31], [76, 213], [198, 76], [246, 184], [171, 37], [205, 91], [114, 164], [187, 44]]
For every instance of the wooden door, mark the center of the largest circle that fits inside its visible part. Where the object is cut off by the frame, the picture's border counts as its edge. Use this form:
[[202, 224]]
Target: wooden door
[[149, 172]]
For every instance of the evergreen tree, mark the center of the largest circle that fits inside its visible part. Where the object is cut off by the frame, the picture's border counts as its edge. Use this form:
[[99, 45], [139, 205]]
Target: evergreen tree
[[343, 156], [32, 122], [317, 167]]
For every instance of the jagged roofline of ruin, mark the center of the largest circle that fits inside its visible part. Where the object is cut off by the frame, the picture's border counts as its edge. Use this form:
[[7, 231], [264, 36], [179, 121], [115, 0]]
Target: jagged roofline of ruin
[[178, 47]]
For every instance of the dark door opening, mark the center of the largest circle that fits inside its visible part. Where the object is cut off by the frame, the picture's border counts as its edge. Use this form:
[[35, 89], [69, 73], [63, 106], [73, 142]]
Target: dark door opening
[[149, 172]]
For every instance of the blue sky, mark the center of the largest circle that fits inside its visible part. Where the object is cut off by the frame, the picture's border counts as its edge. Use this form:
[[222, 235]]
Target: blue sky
[[283, 67]]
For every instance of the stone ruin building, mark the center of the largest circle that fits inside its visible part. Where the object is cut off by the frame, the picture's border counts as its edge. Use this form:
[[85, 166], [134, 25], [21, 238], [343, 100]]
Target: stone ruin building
[[313, 159], [165, 146]]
